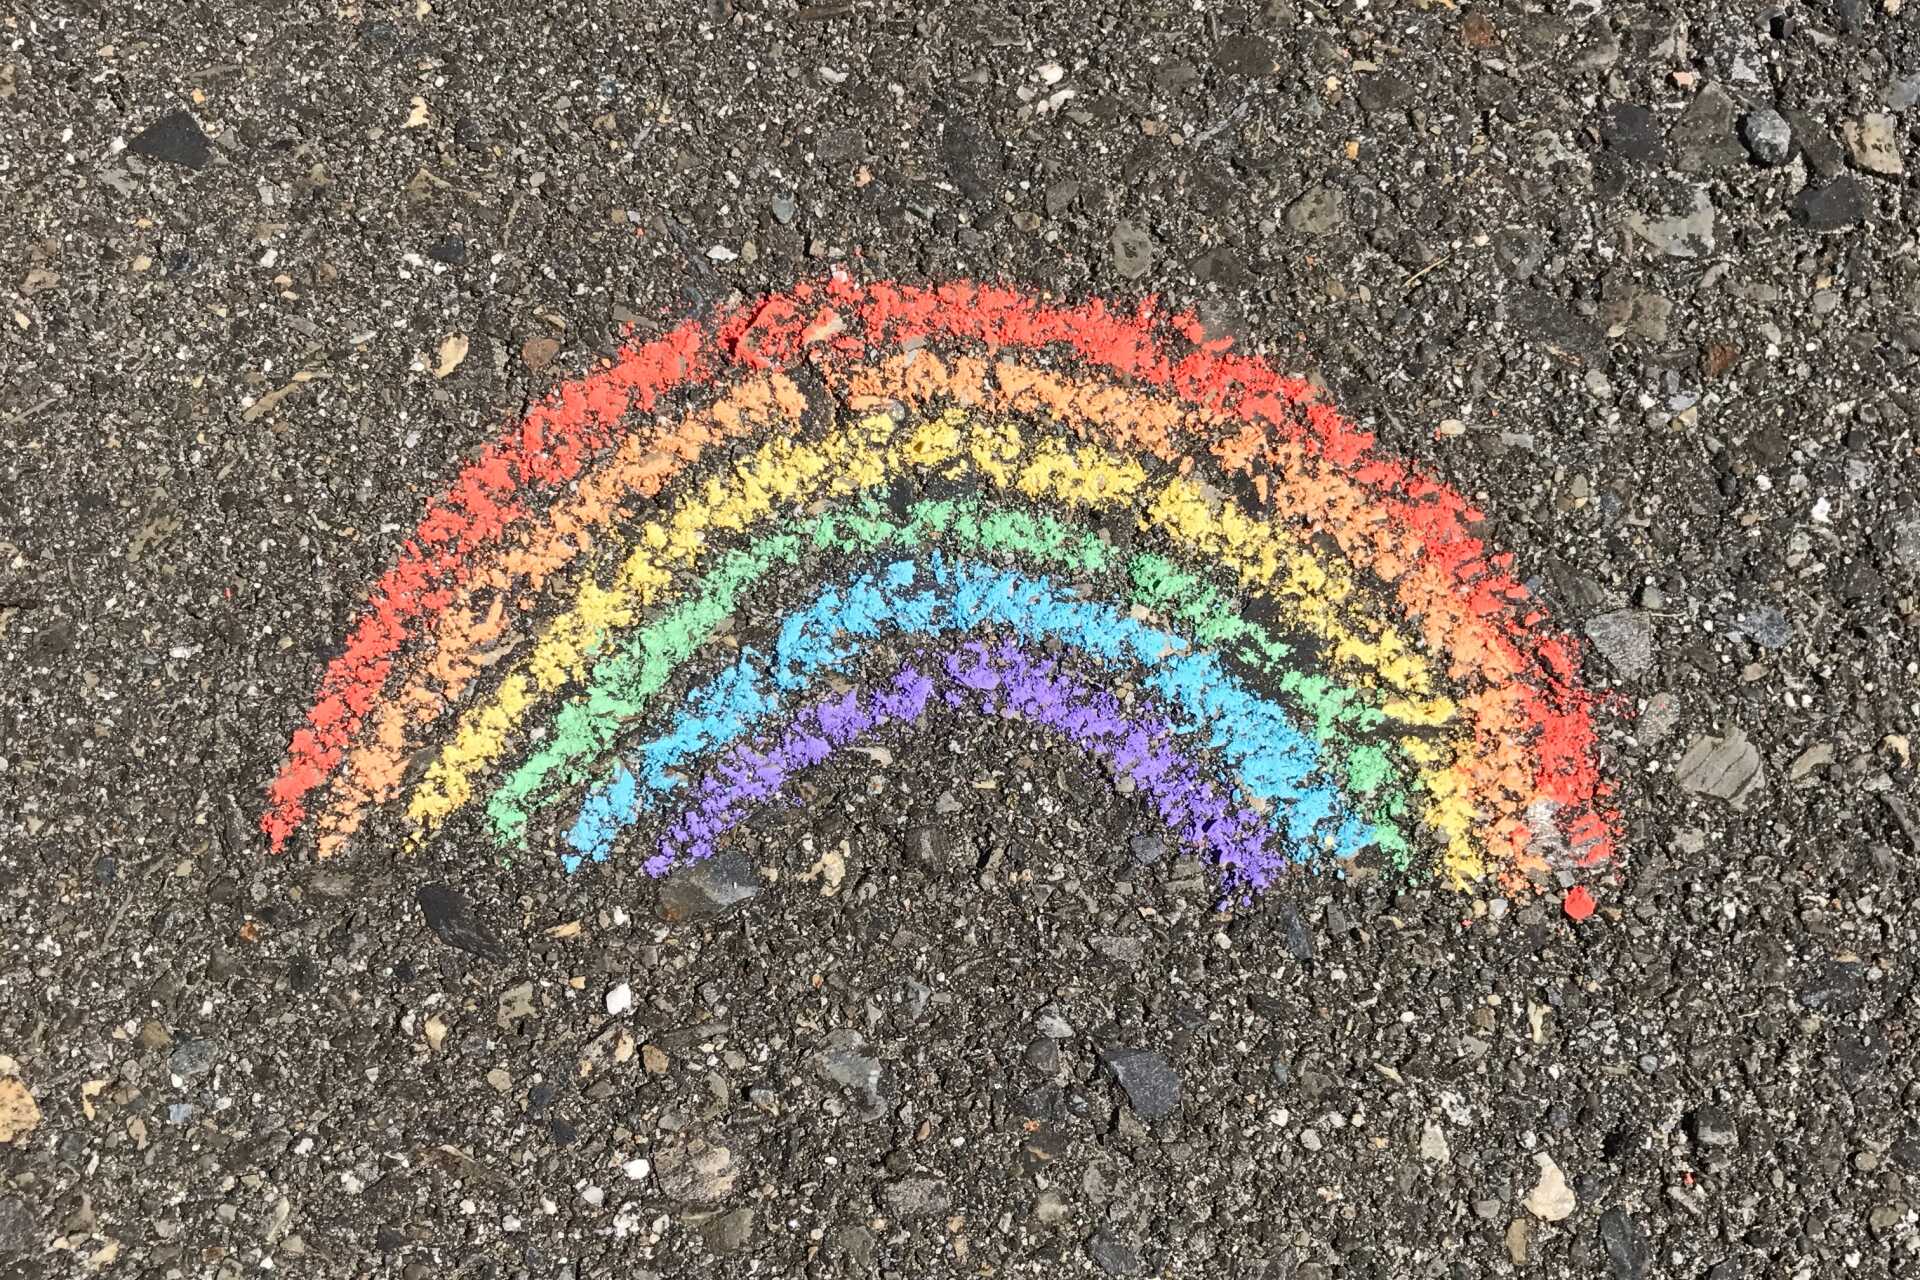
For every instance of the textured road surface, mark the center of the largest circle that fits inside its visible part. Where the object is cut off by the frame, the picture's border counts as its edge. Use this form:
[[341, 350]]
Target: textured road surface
[[1644, 281]]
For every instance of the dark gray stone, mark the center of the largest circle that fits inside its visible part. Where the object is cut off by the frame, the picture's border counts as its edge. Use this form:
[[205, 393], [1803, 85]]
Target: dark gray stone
[[1834, 987], [1862, 1054], [1383, 93], [192, 1058], [174, 138], [17, 1229], [973, 155], [1247, 56], [1147, 849], [1295, 933], [1624, 1242], [1634, 134], [1152, 1086], [711, 887], [1768, 135], [1113, 1255], [451, 917], [729, 1232], [1818, 146], [1713, 1127], [1702, 139], [1542, 318], [1838, 205]]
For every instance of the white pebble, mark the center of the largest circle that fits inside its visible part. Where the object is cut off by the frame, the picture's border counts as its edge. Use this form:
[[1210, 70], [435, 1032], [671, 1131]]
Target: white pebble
[[620, 1000]]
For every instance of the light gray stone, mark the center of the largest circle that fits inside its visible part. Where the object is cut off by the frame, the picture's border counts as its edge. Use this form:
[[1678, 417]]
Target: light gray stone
[[1318, 211], [1625, 639], [1684, 235], [1726, 768], [1132, 251]]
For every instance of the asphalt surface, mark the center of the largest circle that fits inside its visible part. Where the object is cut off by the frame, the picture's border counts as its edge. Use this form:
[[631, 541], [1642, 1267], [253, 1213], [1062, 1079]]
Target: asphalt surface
[[1643, 282]]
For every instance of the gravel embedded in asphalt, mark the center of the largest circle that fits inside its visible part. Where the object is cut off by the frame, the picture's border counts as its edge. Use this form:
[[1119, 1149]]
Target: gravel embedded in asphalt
[[1642, 285]]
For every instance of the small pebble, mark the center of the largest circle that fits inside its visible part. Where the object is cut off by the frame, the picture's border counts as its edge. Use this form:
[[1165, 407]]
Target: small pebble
[[1050, 1023], [1551, 1199], [1768, 135]]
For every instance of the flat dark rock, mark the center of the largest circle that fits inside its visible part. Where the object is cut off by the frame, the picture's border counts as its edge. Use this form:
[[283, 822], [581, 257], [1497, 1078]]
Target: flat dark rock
[[1113, 1255], [1383, 93], [1152, 1085], [1248, 56], [1818, 145], [1624, 1243], [1295, 932], [1633, 133], [451, 917], [1841, 203], [710, 887], [174, 138], [1703, 139]]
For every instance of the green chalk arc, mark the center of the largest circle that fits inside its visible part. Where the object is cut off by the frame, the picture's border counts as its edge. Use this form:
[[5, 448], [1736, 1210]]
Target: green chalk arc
[[622, 683]]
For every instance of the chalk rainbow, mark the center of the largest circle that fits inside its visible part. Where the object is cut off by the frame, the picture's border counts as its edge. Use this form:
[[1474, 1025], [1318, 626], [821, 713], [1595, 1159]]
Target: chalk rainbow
[[1099, 520]]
